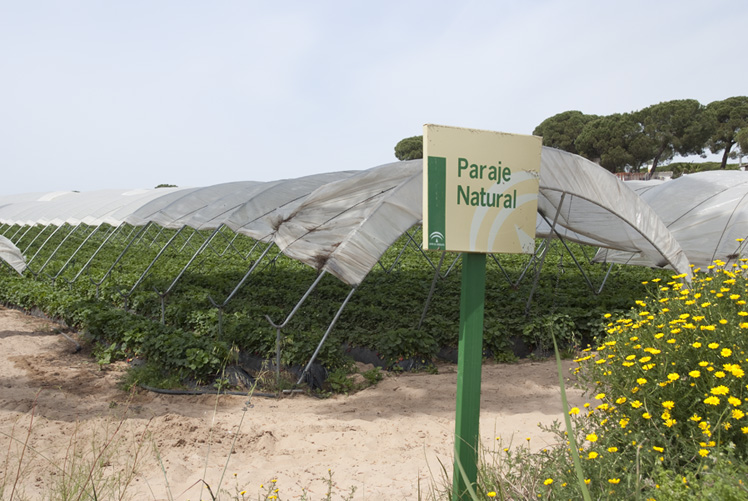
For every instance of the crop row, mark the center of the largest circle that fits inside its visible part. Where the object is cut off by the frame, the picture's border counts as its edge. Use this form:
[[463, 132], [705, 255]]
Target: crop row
[[168, 296]]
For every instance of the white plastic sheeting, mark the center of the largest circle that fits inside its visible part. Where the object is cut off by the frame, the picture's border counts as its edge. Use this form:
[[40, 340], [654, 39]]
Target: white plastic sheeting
[[248, 207], [11, 255], [344, 227], [92, 208], [591, 206], [343, 222], [706, 212]]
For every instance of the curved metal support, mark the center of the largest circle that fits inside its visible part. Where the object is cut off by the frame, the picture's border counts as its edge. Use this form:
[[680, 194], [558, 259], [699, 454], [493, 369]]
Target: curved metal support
[[279, 327], [242, 281], [119, 258], [538, 251], [420, 249], [192, 259], [88, 263], [70, 259], [230, 245], [587, 279], [437, 274], [542, 258], [324, 338], [132, 230], [451, 266], [58, 248], [41, 247], [20, 227], [158, 234], [153, 262], [187, 242], [24, 251], [20, 239]]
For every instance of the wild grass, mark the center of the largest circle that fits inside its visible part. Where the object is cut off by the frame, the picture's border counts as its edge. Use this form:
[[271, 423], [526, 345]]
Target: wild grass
[[98, 463]]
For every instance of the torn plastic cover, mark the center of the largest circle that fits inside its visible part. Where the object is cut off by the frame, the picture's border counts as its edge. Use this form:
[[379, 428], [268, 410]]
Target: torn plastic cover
[[11, 255], [344, 227]]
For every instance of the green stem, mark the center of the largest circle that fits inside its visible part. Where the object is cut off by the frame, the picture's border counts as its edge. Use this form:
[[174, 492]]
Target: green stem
[[569, 429]]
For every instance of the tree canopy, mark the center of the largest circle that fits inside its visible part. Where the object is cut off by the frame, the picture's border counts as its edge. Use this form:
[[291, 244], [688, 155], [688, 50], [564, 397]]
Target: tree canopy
[[730, 126], [409, 148], [613, 141], [653, 135], [672, 127], [561, 130]]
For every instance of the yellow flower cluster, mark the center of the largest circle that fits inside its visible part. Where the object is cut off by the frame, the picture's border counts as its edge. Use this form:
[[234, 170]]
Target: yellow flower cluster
[[683, 345]]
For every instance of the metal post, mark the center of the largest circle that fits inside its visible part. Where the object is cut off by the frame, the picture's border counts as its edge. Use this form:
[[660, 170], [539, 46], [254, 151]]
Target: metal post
[[431, 291], [85, 266], [324, 338], [24, 234], [542, 258], [121, 255], [279, 327], [70, 259], [244, 279], [44, 228], [160, 253], [58, 247], [45, 243]]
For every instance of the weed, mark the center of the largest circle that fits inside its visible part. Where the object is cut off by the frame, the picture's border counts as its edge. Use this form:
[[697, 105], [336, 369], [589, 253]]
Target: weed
[[373, 376], [339, 381], [99, 463]]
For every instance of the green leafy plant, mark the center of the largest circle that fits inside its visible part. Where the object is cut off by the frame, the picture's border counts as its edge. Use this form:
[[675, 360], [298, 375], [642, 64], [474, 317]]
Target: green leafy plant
[[339, 381]]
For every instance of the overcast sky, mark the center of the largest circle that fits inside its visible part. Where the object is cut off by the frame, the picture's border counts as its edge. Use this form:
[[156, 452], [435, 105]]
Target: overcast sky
[[133, 93]]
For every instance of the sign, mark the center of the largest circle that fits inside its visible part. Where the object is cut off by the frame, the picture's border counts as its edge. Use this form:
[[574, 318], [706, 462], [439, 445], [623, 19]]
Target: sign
[[480, 190], [480, 195]]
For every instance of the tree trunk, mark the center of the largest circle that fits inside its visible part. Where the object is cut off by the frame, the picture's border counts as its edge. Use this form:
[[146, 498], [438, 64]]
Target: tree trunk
[[654, 164], [725, 155]]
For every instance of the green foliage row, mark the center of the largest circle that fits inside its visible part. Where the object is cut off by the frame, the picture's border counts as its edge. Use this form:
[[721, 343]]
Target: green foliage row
[[184, 353], [680, 168], [102, 292]]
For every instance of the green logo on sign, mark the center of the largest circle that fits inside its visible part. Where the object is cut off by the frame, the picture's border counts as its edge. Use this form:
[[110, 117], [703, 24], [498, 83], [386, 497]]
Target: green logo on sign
[[437, 179]]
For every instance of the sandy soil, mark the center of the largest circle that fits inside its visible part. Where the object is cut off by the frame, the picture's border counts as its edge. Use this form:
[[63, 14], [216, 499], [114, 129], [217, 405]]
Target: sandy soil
[[384, 441]]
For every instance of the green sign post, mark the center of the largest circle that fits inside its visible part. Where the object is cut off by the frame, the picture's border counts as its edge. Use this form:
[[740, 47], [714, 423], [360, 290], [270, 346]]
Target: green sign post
[[480, 196], [469, 362]]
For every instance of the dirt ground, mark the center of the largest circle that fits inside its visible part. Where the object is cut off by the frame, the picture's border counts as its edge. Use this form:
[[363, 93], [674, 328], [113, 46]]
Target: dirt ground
[[60, 412]]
